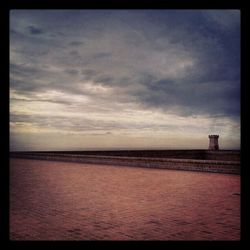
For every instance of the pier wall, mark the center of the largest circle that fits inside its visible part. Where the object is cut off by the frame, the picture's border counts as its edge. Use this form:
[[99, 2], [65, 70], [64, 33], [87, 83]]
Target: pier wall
[[216, 166]]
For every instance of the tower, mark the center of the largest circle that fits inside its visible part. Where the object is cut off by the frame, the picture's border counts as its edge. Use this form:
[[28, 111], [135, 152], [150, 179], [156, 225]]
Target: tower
[[213, 142]]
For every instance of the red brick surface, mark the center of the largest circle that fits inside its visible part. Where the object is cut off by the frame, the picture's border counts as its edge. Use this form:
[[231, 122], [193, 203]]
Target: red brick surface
[[72, 201]]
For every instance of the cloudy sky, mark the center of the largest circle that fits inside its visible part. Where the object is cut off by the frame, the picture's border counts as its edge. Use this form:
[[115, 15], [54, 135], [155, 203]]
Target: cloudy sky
[[104, 79]]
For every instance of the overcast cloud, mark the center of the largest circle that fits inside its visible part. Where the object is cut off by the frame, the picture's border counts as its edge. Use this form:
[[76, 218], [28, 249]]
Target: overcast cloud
[[124, 78]]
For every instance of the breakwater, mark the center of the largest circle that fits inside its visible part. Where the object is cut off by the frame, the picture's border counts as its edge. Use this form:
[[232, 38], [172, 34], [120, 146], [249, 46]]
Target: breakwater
[[202, 160]]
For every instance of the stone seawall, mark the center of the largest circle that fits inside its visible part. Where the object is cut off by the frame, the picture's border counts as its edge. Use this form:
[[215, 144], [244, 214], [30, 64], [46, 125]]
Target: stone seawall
[[198, 154], [215, 166]]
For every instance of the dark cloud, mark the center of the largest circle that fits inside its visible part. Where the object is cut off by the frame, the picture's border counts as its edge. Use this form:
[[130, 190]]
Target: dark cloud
[[89, 72], [74, 53], [35, 31], [25, 86], [72, 71], [101, 55], [23, 70], [104, 79], [194, 98], [76, 43]]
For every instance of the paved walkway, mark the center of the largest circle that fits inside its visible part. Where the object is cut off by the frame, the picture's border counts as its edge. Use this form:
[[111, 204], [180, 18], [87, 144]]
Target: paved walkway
[[71, 201]]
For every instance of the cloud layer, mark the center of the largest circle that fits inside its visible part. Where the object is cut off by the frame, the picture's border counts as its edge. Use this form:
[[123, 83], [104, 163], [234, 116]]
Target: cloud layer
[[110, 75]]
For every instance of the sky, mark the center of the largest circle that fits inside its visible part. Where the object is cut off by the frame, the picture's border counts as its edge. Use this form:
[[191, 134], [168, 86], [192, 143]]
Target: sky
[[124, 79]]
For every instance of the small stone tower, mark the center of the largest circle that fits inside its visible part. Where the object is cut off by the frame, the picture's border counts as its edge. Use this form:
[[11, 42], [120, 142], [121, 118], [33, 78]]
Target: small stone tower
[[213, 142]]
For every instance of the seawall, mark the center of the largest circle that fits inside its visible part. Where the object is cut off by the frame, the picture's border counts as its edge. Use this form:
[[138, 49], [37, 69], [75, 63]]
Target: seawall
[[198, 154], [203, 165]]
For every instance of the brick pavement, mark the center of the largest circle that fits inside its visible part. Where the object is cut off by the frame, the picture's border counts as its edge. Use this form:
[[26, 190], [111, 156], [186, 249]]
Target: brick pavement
[[73, 201]]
